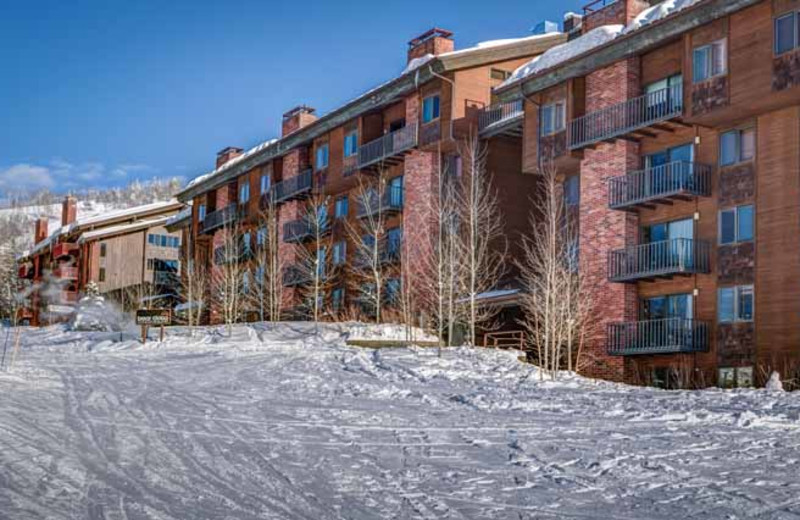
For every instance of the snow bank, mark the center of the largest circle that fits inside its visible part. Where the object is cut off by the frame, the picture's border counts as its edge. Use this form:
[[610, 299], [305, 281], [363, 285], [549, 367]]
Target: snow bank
[[387, 332], [566, 51]]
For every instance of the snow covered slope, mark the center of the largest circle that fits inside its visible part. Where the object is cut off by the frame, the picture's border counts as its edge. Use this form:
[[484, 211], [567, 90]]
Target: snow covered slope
[[285, 422]]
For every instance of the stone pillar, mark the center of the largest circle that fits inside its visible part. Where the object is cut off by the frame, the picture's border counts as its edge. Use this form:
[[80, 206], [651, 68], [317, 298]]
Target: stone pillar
[[603, 230]]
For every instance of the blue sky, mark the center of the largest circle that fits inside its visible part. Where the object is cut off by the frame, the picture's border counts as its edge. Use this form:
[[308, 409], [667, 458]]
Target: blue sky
[[97, 93]]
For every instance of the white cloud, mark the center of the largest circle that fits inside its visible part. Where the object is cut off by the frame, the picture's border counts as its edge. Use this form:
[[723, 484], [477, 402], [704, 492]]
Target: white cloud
[[26, 177], [62, 175]]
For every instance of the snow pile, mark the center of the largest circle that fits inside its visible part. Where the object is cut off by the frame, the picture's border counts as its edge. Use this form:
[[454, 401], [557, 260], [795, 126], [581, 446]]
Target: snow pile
[[566, 51], [417, 63], [94, 314], [388, 332], [658, 12], [774, 384]]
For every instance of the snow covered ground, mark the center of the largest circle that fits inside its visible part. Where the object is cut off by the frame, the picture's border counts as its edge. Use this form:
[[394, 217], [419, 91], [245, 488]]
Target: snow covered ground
[[287, 422]]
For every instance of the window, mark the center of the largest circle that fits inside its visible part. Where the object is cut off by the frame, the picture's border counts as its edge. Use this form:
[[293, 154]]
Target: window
[[737, 146], [244, 193], [396, 192], [321, 253], [337, 297], [552, 119], [394, 238], [266, 181], [341, 207], [500, 74], [709, 61], [339, 252], [245, 282], [736, 225], [735, 304], [101, 276], [201, 212], [103, 250], [322, 156], [261, 236], [572, 190], [430, 108], [246, 249], [786, 32], [393, 290], [351, 144]]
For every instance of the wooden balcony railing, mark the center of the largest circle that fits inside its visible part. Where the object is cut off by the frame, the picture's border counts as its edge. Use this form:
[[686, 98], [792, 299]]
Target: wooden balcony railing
[[509, 339], [493, 117], [665, 336], [679, 256], [65, 272], [624, 118], [64, 249], [389, 147], [220, 218], [390, 202], [675, 180], [292, 188]]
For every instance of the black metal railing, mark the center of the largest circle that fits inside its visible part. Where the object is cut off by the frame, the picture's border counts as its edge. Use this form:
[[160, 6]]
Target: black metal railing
[[304, 229], [220, 218], [293, 187], [665, 336], [390, 202], [625, 117], [389, 145], [295, 275], [660, 182], [166, 278], [499, 113], [389, 252], [229, 255], [659, 259]]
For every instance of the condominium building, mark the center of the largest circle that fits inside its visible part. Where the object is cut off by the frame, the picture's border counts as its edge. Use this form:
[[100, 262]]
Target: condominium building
[[676, 126]]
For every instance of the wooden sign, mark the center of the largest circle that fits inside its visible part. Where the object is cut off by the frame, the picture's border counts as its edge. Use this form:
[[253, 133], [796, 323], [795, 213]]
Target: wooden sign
[[155, 317]]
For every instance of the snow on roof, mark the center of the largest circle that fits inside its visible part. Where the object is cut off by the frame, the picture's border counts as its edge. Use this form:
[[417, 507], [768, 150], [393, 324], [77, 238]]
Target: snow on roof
[[202, 178], [417, 63], [181, 215], [566, 51], [658, 12], [124, 228], [498, 43]]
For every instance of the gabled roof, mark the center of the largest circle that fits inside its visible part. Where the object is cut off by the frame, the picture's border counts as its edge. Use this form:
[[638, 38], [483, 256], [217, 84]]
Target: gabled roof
[[410, 79]]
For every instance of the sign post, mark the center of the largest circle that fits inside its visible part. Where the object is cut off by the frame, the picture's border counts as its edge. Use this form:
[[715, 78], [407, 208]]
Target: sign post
[[157, 317]]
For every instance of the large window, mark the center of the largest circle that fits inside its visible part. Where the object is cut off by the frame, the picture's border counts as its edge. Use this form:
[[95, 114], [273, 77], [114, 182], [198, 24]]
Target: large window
[[736, 225], [737, 146], [339, 252], [201, 212], [322, 156], [244, 193], [786, 32], [735, 304], [337, 298], [572, 190], [266, 181], [669, 306], [341, 207], [710, 61], [552, 118], [430, 108], [351, 144]]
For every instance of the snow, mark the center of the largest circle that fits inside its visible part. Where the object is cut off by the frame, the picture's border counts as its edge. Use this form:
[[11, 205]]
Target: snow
[[287, 422], [116, 230], [417, 63], [566, 51], [658, 12], [252, 151], [774, 384]]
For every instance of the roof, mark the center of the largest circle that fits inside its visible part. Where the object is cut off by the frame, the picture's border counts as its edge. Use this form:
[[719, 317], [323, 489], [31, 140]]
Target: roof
[[388, 92], [659, 23], [108, 232], [180, 219]]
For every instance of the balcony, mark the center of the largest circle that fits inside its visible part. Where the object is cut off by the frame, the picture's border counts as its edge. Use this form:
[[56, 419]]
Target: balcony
[[25, 271], [666, 336], [303, 230], [220, 218], [293, 188], [64, 272], [64, 250], [502, 119], [662, 184], [391, 202], [389, 149], [644, 262], [389, 252], [166, 278], [631, 120], [296, 276], [223, 256]]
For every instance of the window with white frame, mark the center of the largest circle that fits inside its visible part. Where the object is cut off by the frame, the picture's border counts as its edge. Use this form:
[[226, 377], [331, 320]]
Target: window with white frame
[[735, 304], [737, 146], [351, 144], [552, 118], [244, 193], [736, 224], [430, 108], [786, 32], [710, 61], [266, 182], [323, 155]]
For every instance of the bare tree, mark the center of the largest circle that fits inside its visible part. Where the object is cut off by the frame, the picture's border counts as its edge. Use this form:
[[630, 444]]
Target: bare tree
[[556, 302], [227, 275], [313, 264], [193, 285], [267, 290], [483, 240]]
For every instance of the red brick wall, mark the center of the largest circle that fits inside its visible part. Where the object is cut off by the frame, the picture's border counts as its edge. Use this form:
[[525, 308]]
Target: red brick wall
[[602, 229], [620, 12], [435, 46]]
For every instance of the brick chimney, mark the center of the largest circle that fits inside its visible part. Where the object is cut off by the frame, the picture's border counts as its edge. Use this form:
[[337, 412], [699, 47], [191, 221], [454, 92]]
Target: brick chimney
[[227, 154], [40, 230], [596, 14], [69, 210], [297, 118], [435, 41]]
